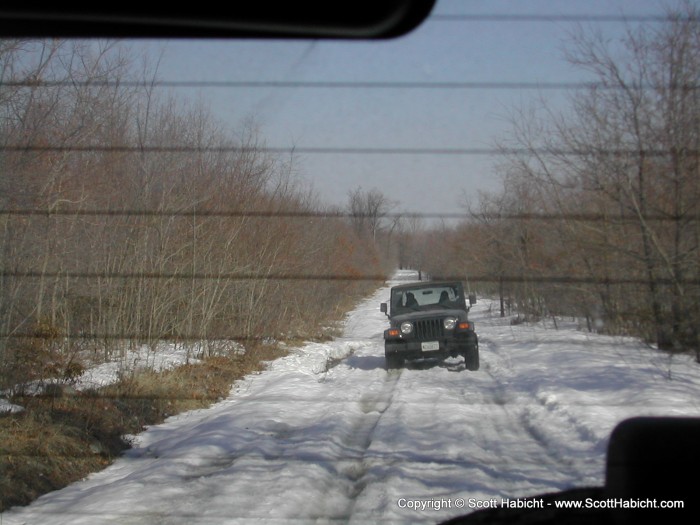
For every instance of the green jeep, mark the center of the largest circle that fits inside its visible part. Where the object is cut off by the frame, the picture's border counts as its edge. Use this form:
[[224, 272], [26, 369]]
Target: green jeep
[[429, 320]]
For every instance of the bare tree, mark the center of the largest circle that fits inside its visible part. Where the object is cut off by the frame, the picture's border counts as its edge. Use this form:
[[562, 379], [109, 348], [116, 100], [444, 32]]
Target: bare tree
[[368, 210]]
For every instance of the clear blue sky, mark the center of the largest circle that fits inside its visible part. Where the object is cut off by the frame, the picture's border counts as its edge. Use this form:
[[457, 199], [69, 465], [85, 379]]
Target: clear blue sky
[[442, 50]]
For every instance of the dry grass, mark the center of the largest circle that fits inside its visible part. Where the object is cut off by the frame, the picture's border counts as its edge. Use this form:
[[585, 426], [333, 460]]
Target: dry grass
[[59, 440]]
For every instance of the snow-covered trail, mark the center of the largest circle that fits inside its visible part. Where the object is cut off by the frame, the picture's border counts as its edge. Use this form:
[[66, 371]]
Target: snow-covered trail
[[327, 434]]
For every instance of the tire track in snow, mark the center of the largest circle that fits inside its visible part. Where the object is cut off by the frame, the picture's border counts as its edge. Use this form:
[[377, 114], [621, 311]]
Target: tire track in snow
[[519, 464], [361, 434], [528, 413]]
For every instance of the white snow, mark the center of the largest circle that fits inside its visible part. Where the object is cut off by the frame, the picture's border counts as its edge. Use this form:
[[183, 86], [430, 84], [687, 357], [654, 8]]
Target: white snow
[[164, 357], [8, 408], [327, 434]]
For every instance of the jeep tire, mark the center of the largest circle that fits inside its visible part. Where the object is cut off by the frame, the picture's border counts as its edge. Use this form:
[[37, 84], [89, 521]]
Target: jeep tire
[[471, 358], [393, 362]]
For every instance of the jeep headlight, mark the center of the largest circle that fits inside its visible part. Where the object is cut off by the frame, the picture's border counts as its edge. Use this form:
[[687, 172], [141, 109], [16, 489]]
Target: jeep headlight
[[406, 327], [449, 323]]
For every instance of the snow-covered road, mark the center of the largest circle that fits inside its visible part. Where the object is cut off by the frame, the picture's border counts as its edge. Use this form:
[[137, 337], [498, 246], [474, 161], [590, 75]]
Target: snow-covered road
[[327, 434]]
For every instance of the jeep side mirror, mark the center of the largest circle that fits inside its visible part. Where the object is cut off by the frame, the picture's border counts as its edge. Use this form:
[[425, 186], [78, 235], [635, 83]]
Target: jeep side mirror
[[382, 308], [472, 299]]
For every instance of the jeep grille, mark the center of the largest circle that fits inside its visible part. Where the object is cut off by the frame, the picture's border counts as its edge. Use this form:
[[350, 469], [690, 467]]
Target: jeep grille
[[429, 329]]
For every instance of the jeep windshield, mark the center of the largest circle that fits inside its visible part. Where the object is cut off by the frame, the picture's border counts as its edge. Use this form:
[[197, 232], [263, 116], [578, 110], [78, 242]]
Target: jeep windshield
[[419, 298]]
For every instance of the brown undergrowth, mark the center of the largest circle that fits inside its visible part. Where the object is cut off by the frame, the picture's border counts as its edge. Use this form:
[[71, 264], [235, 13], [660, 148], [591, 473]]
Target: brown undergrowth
[[63, 437]]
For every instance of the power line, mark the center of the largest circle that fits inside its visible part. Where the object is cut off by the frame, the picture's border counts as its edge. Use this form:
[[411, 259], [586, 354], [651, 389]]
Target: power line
[[184, 148], [190, 213], [238, 276], [350, 84], [227, 276], [138, 336], [578, 18]]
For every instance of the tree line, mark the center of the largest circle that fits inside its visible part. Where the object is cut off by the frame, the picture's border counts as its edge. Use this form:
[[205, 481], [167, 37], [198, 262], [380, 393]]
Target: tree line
[[129, 216], [598, 216]]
